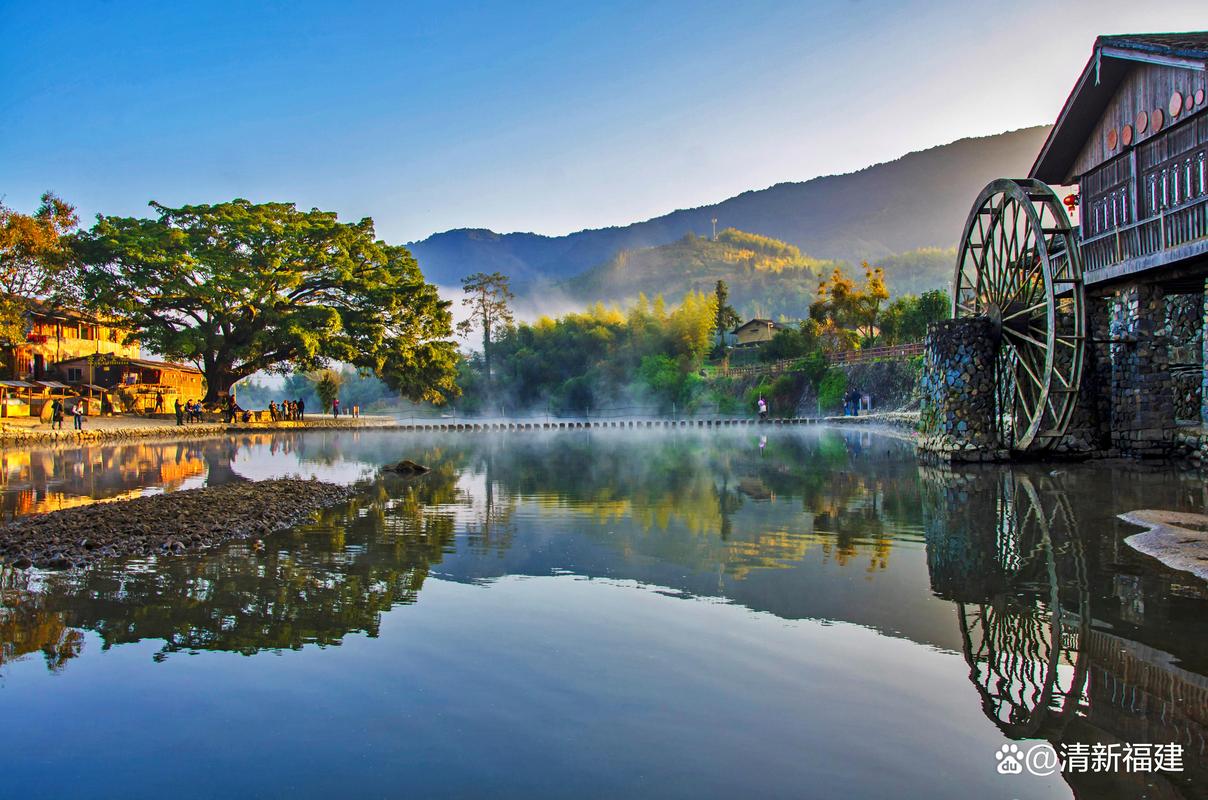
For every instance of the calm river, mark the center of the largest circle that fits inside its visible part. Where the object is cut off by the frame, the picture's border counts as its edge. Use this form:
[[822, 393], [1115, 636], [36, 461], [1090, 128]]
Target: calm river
[[806, 613]]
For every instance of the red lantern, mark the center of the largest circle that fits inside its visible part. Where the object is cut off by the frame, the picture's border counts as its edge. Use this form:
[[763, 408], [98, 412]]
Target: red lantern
[[1071, 202]]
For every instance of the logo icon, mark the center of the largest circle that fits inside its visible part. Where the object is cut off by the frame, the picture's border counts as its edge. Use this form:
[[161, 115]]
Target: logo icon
[[1008, 760]]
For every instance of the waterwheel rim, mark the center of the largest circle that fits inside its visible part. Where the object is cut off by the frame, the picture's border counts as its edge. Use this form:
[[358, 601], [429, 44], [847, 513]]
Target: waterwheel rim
[[1031, 677], [1018, 266]]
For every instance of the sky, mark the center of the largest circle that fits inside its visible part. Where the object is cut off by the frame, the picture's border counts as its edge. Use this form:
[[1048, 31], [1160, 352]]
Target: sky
[[539, 116]]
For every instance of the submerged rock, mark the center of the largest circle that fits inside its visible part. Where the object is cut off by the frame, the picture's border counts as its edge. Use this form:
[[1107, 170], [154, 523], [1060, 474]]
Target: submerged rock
[[406, 467], [173, 523]]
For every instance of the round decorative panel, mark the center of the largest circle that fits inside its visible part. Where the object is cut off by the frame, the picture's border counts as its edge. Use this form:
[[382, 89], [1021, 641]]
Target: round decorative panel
[[1126, 135], [1112, 139], [1142, 121], [1176, 105]]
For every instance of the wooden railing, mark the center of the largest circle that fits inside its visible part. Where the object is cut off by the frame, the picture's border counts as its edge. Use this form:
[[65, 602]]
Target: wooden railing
[[1175, 226], [868, 354]]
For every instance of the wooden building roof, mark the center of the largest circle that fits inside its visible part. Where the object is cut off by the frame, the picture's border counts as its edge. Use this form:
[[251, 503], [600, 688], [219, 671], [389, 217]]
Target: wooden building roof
[[1112, 58]]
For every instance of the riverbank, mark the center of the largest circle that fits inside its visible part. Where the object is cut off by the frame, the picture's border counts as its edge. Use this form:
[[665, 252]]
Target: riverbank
[[170, 523], [22, 433]]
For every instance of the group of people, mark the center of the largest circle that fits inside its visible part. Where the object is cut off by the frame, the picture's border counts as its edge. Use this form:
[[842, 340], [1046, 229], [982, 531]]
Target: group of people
[[189, 411], [287, 411], [58, 408]]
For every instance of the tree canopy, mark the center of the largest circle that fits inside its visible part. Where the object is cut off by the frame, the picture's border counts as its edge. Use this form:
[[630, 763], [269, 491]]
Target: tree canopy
[[32, 260], [239, 287], [487, 298]]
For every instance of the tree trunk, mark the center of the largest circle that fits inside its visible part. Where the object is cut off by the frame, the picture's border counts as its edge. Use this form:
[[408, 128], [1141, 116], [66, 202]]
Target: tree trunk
[[219, 380], [486, 355]]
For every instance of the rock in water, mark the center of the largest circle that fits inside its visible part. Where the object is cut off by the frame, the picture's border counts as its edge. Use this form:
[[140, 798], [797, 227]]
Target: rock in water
[[406, 467]]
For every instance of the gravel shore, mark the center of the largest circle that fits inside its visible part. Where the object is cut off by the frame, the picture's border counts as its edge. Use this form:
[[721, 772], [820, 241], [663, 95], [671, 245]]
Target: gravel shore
[[174, 522]]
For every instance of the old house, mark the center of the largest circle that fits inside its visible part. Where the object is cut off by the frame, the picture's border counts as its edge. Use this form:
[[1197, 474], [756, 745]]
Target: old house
[[135, 383], [755, 331], [56, 334], [71, 352]]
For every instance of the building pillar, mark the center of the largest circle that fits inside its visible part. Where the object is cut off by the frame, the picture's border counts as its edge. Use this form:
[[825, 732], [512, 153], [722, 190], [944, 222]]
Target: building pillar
[[1142, 392], [957, 412]]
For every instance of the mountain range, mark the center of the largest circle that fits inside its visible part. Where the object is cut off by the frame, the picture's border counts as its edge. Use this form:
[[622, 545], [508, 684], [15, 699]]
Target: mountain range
[[917, 201]]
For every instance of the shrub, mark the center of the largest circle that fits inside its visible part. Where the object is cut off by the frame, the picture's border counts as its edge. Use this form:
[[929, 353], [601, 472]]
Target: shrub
[[831, 389]]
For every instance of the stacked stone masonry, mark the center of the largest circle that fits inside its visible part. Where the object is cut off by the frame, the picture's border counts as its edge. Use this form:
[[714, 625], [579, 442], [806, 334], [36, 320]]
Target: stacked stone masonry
[[957, 415], [1142, 389]]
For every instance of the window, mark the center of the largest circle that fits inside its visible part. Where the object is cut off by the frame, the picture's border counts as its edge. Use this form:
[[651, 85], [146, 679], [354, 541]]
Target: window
[[75, 374]]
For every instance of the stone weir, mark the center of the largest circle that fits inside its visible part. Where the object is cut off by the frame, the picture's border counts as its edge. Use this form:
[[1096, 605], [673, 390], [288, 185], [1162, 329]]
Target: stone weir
[[956, 418]]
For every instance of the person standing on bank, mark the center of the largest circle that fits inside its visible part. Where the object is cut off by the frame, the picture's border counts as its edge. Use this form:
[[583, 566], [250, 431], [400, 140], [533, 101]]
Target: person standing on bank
[[56, 414], [159, 402], [302, 409], [77, 414], [335, 408]]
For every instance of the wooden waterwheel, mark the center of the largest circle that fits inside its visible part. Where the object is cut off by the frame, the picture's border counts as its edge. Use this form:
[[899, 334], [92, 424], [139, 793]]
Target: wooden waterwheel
[[1018, 266]]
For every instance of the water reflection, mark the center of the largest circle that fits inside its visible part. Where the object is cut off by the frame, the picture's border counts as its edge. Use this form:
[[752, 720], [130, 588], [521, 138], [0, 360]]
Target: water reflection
[[1066, 634], [1042, 616], [37, 481]]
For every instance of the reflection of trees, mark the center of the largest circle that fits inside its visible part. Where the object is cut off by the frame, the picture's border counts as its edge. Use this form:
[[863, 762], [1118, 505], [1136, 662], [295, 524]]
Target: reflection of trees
[[320, 582], [718, 489], [26, 626], [1005, 545]]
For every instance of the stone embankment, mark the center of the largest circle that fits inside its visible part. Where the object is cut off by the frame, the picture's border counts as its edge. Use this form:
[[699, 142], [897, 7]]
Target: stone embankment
[[170, 523], [104, 429]]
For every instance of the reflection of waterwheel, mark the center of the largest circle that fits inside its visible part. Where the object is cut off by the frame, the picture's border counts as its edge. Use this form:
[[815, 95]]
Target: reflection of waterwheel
[[1025, 647], [1018, 266]]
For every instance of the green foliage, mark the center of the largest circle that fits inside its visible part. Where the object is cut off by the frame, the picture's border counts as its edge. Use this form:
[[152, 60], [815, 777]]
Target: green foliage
[[327, 387], [906, 318], [762, 277], [727, 317], [791, 342], [488, 297], [844, 304], [239, 288], [831, 389], [919, 271], [33, 262], [597, 357], [671, 387]]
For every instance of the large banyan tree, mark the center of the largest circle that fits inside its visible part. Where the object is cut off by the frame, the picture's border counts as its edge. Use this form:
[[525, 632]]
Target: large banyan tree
[[239, 287]]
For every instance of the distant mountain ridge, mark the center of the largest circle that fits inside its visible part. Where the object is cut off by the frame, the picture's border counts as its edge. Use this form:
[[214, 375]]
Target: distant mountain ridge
[[917, 201]]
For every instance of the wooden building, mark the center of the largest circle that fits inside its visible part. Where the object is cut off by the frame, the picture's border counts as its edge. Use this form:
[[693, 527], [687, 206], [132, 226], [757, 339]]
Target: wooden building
[[1093, 328], [1133, 135], [134, 383], [56, 334], [755, 331]]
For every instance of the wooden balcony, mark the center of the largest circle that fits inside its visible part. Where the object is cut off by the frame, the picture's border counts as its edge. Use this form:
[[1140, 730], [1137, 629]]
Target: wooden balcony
[[1178, 234]]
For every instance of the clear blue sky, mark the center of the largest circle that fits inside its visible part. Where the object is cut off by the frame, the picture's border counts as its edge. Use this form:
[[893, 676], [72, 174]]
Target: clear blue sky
[[541, 116]]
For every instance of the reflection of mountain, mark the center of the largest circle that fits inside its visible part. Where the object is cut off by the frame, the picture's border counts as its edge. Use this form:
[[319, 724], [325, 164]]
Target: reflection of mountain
[[1008, 547]]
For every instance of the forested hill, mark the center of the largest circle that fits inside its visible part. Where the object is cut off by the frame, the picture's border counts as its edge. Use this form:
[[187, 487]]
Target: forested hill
[[766, 277], [917, 201]]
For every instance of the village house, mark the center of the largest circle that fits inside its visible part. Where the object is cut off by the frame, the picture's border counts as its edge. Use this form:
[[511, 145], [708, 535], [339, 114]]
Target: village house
[[755, 331], [54, 335], [69, 353], [134, 383]]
